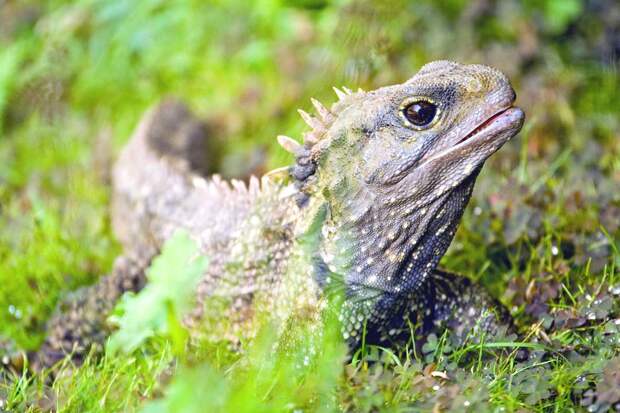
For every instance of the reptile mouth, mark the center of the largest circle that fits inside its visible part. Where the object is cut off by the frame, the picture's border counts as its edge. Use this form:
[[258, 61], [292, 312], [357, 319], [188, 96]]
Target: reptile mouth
[[484, 125], [485, 138]]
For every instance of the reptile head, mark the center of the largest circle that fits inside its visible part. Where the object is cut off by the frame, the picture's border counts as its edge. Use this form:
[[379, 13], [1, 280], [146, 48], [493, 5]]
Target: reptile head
[[395, 168]]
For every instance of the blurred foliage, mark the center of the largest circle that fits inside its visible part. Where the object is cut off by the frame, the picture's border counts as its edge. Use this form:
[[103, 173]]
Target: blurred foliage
[[157, 309], [542, 231]]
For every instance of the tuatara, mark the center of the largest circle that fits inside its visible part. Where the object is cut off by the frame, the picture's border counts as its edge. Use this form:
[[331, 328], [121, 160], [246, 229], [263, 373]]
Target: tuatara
[[369, 208]]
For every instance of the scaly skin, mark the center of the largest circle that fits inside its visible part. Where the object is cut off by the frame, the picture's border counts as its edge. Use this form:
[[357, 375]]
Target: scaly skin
[[373, 206]]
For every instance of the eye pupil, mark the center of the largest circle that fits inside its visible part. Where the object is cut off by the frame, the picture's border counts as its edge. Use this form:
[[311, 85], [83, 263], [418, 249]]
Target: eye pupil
[[420, 113]]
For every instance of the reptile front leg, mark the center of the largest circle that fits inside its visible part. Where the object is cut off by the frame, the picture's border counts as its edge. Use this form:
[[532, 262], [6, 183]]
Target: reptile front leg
[[464, 307], [445, 302]]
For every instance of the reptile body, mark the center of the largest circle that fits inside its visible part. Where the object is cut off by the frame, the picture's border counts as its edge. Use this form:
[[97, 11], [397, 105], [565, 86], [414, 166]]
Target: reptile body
[[371, 205]]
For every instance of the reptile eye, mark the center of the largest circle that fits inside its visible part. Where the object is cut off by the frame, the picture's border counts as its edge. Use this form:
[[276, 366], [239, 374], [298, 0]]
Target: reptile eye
[[420, 112]]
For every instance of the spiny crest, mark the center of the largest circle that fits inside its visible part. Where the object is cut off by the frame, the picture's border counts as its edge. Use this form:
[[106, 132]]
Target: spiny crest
[[292, 146], [305, 164], [217, 187], [318, 124], [305, 154]]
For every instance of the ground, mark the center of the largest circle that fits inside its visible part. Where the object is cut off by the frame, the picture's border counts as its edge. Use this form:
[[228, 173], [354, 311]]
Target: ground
[[542, 231]]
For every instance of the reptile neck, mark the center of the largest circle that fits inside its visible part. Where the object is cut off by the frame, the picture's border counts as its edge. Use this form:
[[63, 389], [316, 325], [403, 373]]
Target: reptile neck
[[391, 247]]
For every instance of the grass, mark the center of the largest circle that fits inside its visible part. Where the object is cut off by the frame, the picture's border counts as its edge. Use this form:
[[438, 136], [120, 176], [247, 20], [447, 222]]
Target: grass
[[541, 233]]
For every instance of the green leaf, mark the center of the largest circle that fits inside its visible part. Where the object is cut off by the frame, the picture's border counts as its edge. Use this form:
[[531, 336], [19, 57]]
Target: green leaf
[[167, 297]]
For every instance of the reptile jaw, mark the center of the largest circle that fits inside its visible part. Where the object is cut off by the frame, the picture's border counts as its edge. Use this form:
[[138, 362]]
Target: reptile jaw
[[483, 125], [490, 135]]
